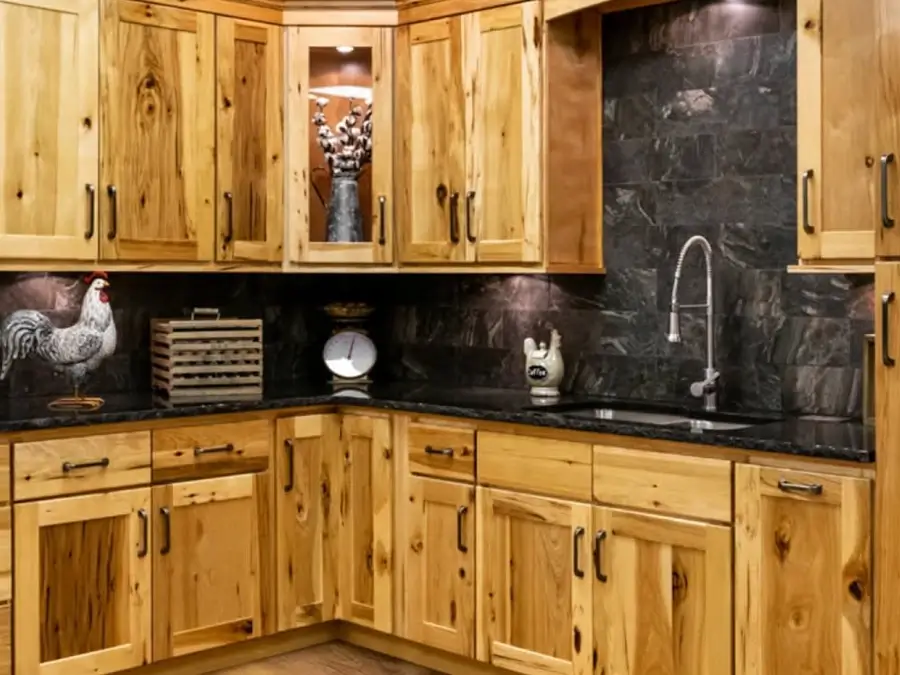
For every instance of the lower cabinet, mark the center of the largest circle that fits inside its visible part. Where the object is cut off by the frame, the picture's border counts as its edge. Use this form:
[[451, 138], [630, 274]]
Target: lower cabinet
[[82, 592], [5, 589]]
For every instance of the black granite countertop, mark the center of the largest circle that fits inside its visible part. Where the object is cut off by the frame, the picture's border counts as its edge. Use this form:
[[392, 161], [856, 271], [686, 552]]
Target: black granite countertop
[[846, 440]]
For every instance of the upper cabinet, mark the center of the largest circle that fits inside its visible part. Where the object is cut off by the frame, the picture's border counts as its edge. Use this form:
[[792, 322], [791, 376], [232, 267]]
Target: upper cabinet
[[469, 138], [49, 131], [340, 147]]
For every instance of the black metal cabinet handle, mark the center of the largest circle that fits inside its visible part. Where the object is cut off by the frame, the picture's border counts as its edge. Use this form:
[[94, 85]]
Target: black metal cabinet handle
[[454, 218], [470, 196], [800, 488], [806, 176], [145, 533], [886, 300], [599, 538], [229, 233], [114, 211], [886, 220], [92, 210], [576, 552], [382, 202], [167, 530], [289, 449], [228, 447], [460, 535], [445, 452], [95, 464]]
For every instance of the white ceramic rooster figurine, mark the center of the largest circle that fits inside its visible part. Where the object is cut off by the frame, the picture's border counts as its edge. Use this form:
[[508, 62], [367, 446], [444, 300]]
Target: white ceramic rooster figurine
[[75, 351], [544, 367]]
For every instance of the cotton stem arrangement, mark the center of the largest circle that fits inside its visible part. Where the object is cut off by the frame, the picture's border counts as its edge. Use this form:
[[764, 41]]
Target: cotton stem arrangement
[[349, 149]]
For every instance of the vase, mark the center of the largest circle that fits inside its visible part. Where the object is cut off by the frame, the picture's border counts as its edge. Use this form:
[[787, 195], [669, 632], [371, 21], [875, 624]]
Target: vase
[[344, 218]]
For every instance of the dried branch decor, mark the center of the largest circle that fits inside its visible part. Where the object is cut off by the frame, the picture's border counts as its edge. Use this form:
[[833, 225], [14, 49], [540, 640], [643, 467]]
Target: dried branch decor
[[348, 150]]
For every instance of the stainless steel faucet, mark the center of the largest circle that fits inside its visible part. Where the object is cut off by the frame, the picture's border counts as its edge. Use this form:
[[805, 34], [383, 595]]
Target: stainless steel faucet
[[707, 387]]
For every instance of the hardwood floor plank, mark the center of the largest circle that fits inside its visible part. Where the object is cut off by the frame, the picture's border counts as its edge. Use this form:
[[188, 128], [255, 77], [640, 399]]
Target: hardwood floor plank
[[331, 659]]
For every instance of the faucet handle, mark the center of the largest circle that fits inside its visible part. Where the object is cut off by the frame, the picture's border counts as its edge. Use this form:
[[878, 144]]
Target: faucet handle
[[707, 386]]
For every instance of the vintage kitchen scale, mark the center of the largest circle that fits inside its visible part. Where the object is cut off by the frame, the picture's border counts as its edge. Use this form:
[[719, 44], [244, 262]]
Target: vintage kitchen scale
[[349, 354]]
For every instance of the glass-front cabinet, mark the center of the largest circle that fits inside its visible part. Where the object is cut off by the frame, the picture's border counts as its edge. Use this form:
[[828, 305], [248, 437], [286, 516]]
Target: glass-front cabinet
[[340, 146]]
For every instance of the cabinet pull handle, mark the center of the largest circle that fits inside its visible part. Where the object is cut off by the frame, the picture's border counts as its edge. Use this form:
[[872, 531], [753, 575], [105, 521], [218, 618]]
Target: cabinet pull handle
[[145, 533], [92, 210], [800, 488], [470, 196], [886, 300], [229, 233], [599, 538], [114, 211], [460, 540], [228, 447], [94, 464], [806, 176], [289, 450], [382, 201], [445, 452], [886, 220], [167, 530], [454, 218], [576, 552]]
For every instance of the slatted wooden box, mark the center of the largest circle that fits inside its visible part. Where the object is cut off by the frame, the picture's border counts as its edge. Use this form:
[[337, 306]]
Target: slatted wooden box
[[203, 359]]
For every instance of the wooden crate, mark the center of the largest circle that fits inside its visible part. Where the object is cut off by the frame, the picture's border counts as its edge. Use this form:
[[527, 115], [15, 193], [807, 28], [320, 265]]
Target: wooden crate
[[200, 359]]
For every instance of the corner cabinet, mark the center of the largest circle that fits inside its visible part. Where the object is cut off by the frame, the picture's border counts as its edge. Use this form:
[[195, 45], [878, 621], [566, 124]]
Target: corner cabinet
[[469, 138], [343, 68]]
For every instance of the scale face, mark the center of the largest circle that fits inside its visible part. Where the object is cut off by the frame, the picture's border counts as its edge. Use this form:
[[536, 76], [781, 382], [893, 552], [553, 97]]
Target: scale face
[[349, 355]]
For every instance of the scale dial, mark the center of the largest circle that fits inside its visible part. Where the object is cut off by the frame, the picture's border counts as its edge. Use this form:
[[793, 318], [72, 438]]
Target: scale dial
[[349, 355]]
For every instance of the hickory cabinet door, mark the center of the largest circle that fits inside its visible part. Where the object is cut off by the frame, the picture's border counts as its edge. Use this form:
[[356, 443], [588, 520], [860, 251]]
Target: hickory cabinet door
[[82, 591], [211, 564], [250, 131], [158, 167], [49, 131], [306, 523], [662, 595], [803, 573], [440, 565], [534, 594]]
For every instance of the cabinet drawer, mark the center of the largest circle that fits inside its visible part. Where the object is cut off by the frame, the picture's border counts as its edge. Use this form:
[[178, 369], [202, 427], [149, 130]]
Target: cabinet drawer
[[543, 465], [211, 450], [442, 452], [69, 465], [665, 483]]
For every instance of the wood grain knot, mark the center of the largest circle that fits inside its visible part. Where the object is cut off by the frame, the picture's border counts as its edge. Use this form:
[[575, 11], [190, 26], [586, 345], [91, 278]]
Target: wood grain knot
[[462, 572], [576, 640], [417, 546], [150, 82], [386, 453], [856, 590], [227, 102], [20, 194], [87, 122], [870, 162], [809, 24], [783, 541], [453, 612]]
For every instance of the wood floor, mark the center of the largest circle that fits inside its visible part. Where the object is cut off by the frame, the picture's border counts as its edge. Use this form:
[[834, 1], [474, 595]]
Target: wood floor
[[332, 659]]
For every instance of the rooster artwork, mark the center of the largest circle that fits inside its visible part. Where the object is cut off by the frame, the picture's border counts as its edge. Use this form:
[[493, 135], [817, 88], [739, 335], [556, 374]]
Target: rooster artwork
[[75, 351]]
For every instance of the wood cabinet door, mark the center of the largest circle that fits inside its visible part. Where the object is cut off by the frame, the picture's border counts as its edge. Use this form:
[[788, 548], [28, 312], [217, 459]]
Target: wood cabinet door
[[211, 564], [431, 142], [49, 129], [6, 589], [803, 573], [440, 565], [534, 589], [158, 78], [876, 29], [662, 595], [250, 139], [502, 211], [365, 577], [306, 519], [82, 591]]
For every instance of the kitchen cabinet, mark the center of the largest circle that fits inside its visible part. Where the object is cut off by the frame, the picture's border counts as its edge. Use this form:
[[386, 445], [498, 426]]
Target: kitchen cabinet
[[82, 583], [803, 573], [158, 166], [50, 129], [344, 67], [250, 139], [6, 589], [211, 563], [469, 138], [440, 564], [662, 594], [533, 571]]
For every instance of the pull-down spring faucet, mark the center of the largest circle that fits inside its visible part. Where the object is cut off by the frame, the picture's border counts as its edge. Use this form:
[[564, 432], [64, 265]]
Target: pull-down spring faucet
[[707, 387]]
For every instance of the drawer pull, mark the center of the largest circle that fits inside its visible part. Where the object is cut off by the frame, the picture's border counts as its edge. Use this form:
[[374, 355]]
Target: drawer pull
[[228, 447], [807, 227], [444, 452], [113, 194], [886, 220], [382, 200], [97, 464], [800, 488], [886, 300], [167, 530], [289, 449], [145, 533], [460, 515], [599, 538], [576, 552], [92, 210]]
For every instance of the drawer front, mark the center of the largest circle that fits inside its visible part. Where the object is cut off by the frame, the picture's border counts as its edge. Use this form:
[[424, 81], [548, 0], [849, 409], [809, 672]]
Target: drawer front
[[71, 465], [542, 465], [664, 483], [211, 450], [442, 452]]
